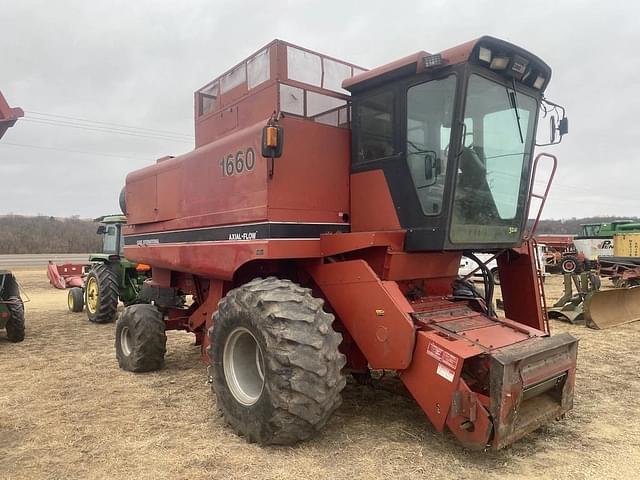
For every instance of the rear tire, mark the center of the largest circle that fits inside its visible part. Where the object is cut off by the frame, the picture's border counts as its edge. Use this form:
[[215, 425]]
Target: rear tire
[[101, 293], [15, 324], [75, 300], [141, 341], [276, 368], [570, 264]]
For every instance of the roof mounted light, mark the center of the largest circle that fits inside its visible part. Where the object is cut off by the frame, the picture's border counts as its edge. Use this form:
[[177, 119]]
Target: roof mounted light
[[431, 61], [539, 83], [484, 54], [499, 63], [519, 66]]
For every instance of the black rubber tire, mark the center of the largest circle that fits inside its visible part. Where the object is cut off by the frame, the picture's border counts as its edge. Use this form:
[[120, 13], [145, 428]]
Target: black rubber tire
[[108, 290], [15, 323], [570, 264], [496, 276], [147, 340], [75, 299], [303, 375]]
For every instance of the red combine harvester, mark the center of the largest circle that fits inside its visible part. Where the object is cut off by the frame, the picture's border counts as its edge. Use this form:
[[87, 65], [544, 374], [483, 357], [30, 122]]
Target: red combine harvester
[[313, 233]]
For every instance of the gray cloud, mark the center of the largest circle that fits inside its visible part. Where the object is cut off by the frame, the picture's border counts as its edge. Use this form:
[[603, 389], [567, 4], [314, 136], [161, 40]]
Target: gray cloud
[[138, 63]]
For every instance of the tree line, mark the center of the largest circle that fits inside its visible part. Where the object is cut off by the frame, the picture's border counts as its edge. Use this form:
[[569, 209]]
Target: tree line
[[44, 234]]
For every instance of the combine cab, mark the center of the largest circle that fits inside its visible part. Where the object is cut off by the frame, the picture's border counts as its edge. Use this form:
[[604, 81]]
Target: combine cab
[[317, 229]]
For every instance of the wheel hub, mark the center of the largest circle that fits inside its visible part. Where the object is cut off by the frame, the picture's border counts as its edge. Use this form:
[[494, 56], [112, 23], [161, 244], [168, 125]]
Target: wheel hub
[[125, 341], [92, 294], [243, 366]]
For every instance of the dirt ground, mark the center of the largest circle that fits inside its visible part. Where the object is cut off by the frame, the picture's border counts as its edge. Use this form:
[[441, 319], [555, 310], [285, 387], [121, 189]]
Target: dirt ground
[[67, 411]]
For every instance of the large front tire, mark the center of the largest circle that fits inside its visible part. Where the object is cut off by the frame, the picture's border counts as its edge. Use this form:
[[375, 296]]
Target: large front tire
[[15, 324], [276, 368], [101, 293], [141, 341]]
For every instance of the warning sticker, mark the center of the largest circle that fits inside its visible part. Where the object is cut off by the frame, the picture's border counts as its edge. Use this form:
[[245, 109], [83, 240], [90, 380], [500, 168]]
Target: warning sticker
[[442, 355], [445, 372]]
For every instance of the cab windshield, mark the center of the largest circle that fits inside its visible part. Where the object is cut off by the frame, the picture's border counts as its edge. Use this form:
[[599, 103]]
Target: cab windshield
[[491, 185]]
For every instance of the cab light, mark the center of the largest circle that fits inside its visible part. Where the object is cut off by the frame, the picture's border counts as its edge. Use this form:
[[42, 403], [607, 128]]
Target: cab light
[[432, 60], [143, 267], [499, 63], [519, 65], [484, 54], [539, 82]]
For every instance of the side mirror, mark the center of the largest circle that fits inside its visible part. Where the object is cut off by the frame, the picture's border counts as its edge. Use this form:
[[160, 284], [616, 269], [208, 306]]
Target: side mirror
[[432, 167], [272, 141], [102, 229], [563, 126]]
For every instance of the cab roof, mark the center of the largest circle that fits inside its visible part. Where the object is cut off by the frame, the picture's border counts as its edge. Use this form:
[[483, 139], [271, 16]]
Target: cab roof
[[115, 218], [414, 63]]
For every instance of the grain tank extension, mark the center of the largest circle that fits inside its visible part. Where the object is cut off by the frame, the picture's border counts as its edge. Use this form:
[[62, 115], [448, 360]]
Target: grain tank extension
[[317, 228]]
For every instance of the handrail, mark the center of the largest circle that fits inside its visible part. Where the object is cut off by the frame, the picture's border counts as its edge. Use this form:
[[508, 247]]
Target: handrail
[[542, 197]]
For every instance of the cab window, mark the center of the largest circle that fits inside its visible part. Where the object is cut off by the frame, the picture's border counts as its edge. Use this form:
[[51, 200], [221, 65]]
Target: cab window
[[429, 116], [375, 136]]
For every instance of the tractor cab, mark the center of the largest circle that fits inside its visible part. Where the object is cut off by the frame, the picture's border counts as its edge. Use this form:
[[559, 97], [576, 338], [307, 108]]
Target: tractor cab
[[454, 134], [112, 241]]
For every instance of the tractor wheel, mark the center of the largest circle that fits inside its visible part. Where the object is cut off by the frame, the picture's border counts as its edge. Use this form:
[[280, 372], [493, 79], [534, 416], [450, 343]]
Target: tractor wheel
[[15, 324], [275, 364], [101, 293], [570, 264], [496, 276], [75, 299], [141, 341]]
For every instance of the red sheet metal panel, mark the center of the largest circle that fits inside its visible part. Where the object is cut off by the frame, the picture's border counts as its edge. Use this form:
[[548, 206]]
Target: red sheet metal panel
[[375, 313], [520, 286], [435, 372]]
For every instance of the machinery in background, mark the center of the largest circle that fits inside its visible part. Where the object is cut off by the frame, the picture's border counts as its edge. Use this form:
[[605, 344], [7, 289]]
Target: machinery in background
[[11, 307], [109, 278], [558, 247], [605, 308], [620, 305], [571, 306], [595, 240], [11, 304], [8, 115]]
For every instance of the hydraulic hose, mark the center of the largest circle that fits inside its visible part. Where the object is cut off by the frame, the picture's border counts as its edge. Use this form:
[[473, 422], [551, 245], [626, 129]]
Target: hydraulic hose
[[487, 280]]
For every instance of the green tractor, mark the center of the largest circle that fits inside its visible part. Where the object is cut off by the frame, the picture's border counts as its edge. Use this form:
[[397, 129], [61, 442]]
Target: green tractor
[[111, 278], [11, 307]]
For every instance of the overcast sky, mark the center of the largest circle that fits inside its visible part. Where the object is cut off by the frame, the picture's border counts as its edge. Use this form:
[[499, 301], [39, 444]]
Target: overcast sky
[[137, 63]]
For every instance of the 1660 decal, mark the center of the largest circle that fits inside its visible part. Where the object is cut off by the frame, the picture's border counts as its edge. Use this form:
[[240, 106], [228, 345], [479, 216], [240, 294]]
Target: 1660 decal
[[236, 164]]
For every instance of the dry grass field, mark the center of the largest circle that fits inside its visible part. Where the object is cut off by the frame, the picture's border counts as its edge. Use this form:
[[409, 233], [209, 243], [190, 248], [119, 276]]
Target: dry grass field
[[67, 411]]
